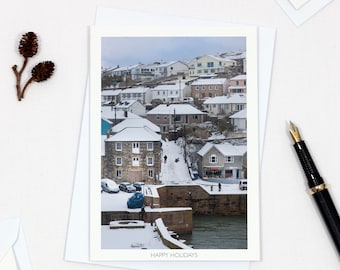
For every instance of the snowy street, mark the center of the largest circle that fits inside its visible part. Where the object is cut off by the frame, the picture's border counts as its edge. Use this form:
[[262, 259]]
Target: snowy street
[[174, 172]]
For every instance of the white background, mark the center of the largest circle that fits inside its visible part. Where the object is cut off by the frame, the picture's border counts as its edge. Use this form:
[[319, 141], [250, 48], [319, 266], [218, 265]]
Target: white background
[[39, 135]]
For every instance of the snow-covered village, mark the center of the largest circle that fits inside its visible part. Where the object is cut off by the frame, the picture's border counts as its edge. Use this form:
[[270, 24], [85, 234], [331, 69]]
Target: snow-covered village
[[174, 154]]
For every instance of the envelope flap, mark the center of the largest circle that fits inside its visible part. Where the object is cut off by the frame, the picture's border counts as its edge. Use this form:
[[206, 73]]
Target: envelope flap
[[9, 230]]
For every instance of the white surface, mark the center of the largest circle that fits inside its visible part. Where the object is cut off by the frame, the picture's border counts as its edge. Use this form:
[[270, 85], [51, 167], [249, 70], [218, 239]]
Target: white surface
[[13, 250], [39, 136]]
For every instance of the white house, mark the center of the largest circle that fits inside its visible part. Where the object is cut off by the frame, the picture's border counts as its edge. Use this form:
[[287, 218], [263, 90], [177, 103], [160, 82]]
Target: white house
[[171, 92], [239, 120], [116, 116], [170, 68], [222, 160], [142, 94], [225, 105], [133, 106], [110, 96], [209, 64]]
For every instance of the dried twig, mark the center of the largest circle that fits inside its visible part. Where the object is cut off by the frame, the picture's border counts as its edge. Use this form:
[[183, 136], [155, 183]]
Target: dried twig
[[28, 47]]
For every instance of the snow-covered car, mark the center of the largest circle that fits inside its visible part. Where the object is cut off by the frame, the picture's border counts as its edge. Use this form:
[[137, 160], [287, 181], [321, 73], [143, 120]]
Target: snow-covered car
[[109, 186], [243, 185], [127, 187]]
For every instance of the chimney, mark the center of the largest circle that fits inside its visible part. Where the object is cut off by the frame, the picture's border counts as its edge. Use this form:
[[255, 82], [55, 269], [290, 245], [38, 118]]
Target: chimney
[[107, 135]]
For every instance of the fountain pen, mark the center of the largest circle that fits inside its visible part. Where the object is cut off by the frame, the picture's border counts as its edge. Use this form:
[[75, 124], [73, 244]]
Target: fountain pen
[[317, 187]]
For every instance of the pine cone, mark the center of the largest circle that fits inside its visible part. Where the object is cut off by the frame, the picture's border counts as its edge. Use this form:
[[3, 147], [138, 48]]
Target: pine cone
[[42, 71], [28, 45]]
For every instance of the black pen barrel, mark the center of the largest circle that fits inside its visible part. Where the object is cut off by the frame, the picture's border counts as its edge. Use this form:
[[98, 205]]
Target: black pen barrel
[[329, 214]]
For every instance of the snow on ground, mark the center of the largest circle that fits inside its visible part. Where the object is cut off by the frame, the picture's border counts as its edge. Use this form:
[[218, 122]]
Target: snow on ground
[[174, 172], [143, 238]]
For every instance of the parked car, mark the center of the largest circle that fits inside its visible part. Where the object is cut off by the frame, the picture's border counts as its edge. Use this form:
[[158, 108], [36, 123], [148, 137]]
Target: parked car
[[109, 186], [127, 187], [138, 185], [136, 201], [243, 185]]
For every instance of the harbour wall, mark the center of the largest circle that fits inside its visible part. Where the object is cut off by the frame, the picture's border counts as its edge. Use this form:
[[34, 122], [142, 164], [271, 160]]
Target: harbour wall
[[201, 202], [175, 219]]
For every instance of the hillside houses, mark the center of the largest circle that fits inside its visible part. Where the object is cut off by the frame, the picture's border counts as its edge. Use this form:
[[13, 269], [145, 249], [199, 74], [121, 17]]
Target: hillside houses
[[148, 102]]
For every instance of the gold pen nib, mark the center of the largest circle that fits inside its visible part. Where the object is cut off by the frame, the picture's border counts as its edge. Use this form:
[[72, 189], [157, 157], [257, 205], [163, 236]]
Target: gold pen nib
[[294, 132]]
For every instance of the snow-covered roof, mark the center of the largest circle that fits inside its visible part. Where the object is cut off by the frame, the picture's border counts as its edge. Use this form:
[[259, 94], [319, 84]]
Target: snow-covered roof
[[111, 92], [239, 77], [240, 114], [135, 122], [135, 90], [179, 109], [109, 112], [226, 149], [236, 98], [210, 81], [218, 58], [166, 87], [124, 104], [124, 68], [135, 134]]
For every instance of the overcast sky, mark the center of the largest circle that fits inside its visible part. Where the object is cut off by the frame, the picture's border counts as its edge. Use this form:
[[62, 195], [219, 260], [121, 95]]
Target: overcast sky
[[125, 51]]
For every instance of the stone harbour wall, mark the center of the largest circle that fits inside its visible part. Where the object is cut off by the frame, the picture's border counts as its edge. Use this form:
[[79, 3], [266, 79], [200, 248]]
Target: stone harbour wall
[[201, 202]]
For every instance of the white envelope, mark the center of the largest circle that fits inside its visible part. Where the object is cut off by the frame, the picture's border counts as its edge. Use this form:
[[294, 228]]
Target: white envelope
[[299, 11], [13, 252], [77, 246]]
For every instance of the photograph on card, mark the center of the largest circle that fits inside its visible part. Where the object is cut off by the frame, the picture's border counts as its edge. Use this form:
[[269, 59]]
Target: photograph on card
[[174, 144]]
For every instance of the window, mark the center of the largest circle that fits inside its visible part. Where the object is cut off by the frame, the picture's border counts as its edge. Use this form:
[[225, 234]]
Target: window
[[197, 87], [229, 159], [150, 173], [149, 161], [210, 64], [135, 161], [119, 174], [118, 161], [135, 147], [149, 146], [119, 146], [199, 64], [213, 159]]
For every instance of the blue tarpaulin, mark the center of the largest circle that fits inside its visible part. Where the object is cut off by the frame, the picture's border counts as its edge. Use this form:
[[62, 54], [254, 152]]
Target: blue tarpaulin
[[136, 201]]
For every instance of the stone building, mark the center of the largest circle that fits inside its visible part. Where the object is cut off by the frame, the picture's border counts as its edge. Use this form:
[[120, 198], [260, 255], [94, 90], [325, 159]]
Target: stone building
[[133, 155]]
